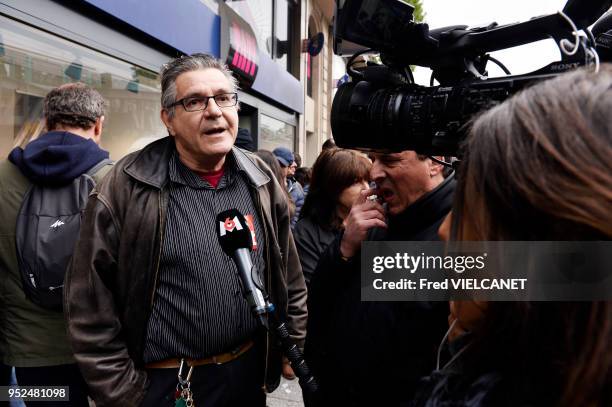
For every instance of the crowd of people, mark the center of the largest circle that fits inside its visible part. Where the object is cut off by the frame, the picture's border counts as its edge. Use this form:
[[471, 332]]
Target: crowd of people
[[153, 312]]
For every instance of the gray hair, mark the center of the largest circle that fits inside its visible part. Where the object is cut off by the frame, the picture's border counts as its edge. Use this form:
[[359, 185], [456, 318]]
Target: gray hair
[[73, 105], [187, 63]]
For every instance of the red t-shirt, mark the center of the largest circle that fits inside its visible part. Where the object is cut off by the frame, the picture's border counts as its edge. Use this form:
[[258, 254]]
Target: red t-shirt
[[212, 178]]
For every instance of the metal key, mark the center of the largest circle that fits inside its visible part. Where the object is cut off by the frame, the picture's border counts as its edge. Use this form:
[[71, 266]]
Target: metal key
[[184, 395]]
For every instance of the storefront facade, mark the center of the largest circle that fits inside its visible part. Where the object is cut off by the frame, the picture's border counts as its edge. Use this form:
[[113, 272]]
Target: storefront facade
[[118, 48], [320, 77]]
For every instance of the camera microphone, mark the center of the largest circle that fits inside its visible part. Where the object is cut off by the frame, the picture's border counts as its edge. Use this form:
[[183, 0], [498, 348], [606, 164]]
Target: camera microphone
[[236, 241]]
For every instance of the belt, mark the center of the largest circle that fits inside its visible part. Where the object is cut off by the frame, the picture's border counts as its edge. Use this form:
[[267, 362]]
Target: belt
[[217, 359]]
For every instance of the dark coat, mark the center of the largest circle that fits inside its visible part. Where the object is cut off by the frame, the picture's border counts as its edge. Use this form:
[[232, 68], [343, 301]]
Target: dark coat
[[374, 353], [311, 241], [297, 194], [454, 386]]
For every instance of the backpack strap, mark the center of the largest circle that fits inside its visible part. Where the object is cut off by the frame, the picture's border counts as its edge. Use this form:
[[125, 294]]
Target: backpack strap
[[98, 171]]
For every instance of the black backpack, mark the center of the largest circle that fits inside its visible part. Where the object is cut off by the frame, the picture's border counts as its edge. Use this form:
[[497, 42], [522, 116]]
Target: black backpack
[[47, 230]]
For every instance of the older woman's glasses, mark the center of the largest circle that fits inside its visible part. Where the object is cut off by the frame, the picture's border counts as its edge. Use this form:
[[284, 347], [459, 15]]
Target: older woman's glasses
[[197, 103]]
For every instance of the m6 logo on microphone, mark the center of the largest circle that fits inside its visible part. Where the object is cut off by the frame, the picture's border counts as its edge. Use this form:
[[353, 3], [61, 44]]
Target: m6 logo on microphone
[[229, 225]]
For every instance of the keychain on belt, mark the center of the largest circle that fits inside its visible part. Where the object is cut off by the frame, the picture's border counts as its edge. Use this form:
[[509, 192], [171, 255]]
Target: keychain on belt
[[183, 396]]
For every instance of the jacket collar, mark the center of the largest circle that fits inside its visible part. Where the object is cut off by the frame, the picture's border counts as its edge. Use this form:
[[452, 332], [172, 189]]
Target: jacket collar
[[151, 164], [425, 211]]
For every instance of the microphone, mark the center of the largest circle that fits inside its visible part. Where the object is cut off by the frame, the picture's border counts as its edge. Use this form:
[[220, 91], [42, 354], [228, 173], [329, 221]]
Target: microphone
[[236, 241]]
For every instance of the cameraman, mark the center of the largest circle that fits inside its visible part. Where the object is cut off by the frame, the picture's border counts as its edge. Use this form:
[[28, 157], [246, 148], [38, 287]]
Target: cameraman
[[373, 353]]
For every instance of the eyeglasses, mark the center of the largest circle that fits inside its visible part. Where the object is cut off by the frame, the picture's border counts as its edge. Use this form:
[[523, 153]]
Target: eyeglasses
[[197, 103]]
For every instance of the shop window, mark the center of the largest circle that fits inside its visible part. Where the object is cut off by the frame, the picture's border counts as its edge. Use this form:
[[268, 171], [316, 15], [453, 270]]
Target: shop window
[[309, 60], [275, 133], [284, 21], [33, 62], [274, 23], [258, 13]]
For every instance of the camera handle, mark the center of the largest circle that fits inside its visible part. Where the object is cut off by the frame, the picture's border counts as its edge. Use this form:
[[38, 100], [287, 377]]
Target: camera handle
[[582, 42]]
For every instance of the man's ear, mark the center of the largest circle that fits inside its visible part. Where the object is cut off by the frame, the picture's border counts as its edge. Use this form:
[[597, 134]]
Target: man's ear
[[435, 168], [165, 117], [97, 129]]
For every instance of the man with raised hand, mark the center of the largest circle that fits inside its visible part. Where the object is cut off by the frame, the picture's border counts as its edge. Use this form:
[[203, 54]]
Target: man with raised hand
[[376, 351]]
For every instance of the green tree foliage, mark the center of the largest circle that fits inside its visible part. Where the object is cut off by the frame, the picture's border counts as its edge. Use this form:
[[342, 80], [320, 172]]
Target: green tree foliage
[[419, 15], [419, 12]]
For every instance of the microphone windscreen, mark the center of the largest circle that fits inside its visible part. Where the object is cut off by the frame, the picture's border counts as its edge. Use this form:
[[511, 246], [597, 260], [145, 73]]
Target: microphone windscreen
[[233, 231]]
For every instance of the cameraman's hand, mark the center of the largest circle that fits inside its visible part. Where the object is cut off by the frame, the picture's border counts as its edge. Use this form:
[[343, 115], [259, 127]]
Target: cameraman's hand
[[365, 215]]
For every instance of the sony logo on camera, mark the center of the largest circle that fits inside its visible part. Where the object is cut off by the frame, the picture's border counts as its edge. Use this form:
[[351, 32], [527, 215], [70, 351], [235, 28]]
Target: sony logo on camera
[[564, 66], [605, 40]]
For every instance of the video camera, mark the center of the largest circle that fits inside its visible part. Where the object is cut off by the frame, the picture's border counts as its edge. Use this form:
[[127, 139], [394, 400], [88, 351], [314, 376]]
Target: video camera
[[382, 109]]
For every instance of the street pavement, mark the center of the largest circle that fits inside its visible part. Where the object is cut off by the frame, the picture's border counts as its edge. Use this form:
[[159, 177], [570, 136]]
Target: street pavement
[[288, 394]]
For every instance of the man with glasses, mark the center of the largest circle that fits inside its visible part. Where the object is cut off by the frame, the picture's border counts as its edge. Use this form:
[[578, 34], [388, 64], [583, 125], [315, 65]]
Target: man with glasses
[[149, 285]]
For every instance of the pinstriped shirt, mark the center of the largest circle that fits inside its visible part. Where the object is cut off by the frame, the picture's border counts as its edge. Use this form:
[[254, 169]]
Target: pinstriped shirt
[[199, 310]]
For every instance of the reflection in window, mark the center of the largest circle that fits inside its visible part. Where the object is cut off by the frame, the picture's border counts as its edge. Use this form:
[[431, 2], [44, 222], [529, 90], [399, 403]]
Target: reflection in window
[[275, 133], [33, 62], [258, 13], [283, 37], [28, 114]]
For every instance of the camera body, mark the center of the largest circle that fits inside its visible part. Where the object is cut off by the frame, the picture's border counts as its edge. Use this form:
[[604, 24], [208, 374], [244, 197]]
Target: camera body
[[382, 109]]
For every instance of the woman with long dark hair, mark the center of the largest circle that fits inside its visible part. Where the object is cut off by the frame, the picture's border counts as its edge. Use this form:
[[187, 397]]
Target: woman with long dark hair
[[338, 176], [536, 167]]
